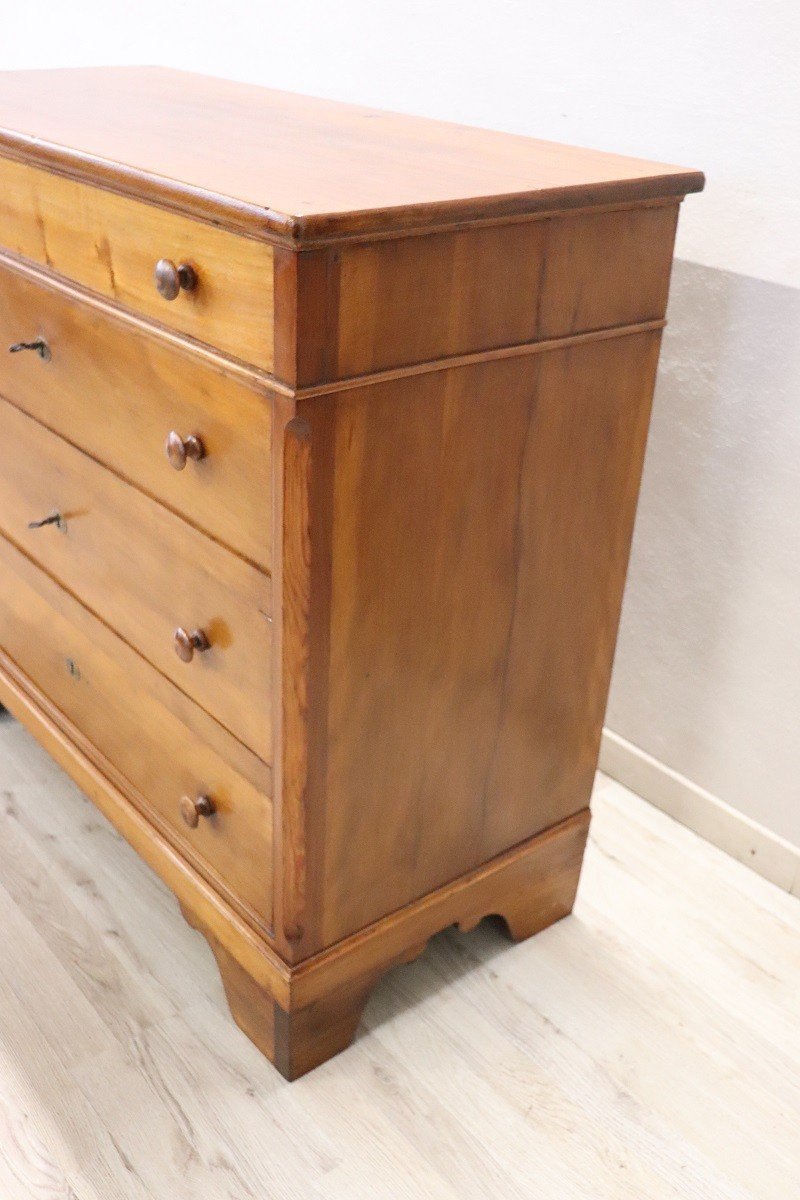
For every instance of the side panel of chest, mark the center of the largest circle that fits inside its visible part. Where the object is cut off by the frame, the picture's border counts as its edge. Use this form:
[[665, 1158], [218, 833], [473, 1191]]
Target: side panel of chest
[[470, 530]]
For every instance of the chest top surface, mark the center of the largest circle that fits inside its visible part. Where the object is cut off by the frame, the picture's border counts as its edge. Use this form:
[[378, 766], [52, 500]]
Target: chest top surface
[[278, 164]]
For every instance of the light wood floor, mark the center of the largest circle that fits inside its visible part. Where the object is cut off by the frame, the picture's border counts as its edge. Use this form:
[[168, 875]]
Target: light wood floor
[[646, 1047]]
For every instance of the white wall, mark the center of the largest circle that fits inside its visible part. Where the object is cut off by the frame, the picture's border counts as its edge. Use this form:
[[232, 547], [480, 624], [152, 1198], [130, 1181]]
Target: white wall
[[708, 671], [707, 675]]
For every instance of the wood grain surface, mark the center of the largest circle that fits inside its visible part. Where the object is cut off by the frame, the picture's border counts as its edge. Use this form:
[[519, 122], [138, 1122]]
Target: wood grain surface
[[299, 1017], [278, 163], [366, 630], [477, 543], [112, 244], [138, 729], [145, 572], [425, 299], [116, 393]]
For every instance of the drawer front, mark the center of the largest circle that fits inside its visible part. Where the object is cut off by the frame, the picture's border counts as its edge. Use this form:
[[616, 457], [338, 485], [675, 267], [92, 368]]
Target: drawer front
[[111, 244], [118, 393], [88, 674], [143, 571]]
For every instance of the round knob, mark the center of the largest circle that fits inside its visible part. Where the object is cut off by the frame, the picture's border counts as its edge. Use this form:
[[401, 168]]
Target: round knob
[[187, 641], [170, 279], [179, 449], [195, 807]]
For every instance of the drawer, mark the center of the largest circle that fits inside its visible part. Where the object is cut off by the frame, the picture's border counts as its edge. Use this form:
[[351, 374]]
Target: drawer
[[138, 724], [144, 571], [111, 244], [117, 393]]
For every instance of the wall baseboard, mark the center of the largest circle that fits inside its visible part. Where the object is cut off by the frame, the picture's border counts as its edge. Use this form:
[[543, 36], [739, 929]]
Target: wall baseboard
[[744, 839]]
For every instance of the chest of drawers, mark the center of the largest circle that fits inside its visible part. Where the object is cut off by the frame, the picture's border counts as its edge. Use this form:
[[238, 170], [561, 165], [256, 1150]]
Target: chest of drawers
[[322, 432]]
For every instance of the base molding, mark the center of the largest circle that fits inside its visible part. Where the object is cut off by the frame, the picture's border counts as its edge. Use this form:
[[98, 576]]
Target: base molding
[[314, 1013], [746, 840]]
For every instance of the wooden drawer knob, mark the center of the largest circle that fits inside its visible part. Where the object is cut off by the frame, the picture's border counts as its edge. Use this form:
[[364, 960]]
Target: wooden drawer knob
[[187, 641], [180, 449], [195, 807], [171, 279]]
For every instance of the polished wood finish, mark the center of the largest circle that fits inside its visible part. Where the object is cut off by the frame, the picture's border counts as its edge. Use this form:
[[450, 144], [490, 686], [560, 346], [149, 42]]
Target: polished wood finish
[[418, 735], [298, 167], [141, 730], [296, 596], [117, 393], [381, 305], [145, 572], [323, 434], [111, 245]]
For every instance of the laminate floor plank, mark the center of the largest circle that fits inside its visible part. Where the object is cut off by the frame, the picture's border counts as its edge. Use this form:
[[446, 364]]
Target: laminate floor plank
[[82, 861], [93, 955], [50, 1137], [27, 1169], [573, 1122], [646, 1048]]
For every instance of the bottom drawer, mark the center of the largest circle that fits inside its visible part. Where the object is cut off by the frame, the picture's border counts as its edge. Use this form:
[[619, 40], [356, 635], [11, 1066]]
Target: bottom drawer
[[141, 727]]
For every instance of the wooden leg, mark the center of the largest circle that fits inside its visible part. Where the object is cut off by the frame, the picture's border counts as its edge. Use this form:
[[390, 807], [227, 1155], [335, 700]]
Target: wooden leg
[[323, 997], [252, 1006], [550, 895], [301, 1039], [309, 1036], [297, 1041]]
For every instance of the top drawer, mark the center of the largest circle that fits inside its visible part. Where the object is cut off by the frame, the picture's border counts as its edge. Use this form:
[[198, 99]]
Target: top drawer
[[111, 244]]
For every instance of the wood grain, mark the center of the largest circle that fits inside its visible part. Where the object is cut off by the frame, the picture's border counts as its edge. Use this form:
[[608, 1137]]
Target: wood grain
[[57, 646], [281, 164], [111, 245], [425, 299], [116, 393], [530, 887], [480, 526], [296, 607], [144, 572]]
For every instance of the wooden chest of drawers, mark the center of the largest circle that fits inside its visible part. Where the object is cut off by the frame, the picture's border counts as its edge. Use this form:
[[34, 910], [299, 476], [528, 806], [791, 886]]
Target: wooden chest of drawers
[[322, 432]]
